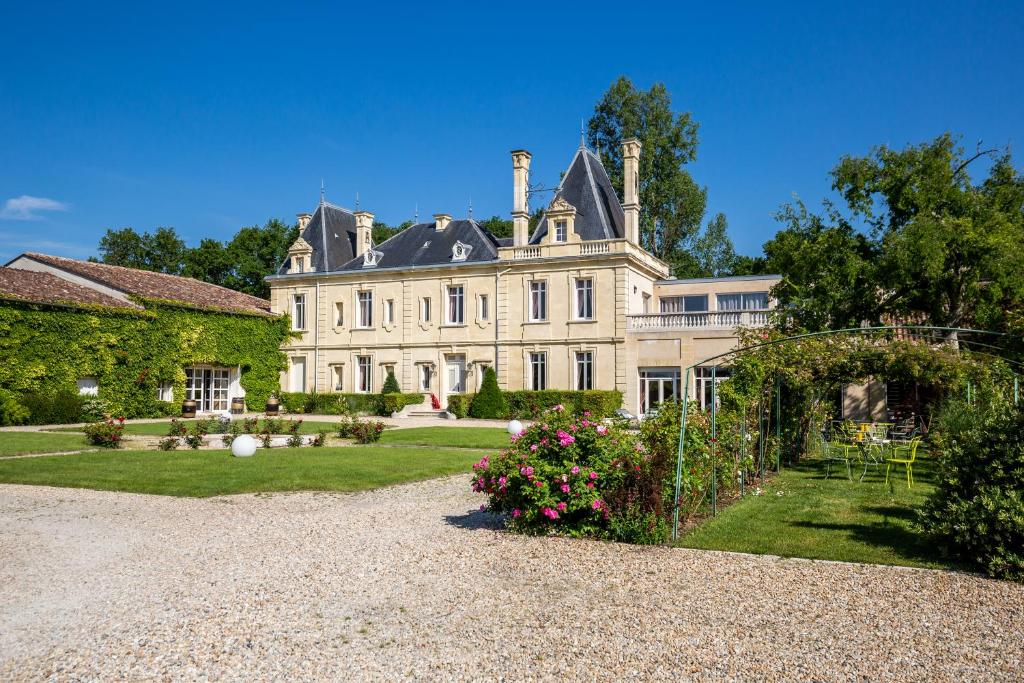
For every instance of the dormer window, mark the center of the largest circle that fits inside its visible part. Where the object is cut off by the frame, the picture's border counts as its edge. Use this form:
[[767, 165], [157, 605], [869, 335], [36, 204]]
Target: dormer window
[[561, 231], [460, 251], [371, 258]]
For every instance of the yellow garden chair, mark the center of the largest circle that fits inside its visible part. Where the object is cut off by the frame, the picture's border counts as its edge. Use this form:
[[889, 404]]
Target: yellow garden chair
[[904, 454]]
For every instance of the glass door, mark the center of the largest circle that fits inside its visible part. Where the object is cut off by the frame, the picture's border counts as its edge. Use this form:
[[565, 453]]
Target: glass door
[[658, 385]]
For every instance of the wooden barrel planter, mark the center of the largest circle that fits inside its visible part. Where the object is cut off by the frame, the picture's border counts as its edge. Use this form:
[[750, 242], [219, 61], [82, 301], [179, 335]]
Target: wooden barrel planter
[[237, 405], [188, 408], [273, 406]]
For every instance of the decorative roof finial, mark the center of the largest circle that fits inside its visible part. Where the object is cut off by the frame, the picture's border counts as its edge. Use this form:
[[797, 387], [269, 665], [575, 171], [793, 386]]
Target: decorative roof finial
[[322, 190], [357, 200], [416, 214], [583, 143], [471, 207]]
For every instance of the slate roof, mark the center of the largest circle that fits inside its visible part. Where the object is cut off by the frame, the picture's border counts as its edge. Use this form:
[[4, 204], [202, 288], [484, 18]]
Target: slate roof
[[149, 285], [587, 187], [44, 288], [332, 234], [422, 245]]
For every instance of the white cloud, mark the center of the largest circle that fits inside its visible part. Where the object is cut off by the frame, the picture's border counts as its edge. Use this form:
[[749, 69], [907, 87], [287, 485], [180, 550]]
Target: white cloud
[[26, 207]]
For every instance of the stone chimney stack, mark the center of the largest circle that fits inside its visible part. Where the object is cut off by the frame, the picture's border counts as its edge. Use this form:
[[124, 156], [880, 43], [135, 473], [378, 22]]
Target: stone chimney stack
[[520, 212], [303, 219], [364, 226], [441, 221], [631, 188]]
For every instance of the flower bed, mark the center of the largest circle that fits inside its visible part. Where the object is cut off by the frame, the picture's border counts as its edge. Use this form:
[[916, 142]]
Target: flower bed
[[579, 477]]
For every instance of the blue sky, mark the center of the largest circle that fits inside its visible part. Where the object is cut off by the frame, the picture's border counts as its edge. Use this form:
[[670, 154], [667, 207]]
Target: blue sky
[[208, 117]]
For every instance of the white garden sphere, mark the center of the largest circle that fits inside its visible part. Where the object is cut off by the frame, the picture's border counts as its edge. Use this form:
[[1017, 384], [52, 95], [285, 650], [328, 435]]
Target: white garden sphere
[[515, 427], [243, 446]]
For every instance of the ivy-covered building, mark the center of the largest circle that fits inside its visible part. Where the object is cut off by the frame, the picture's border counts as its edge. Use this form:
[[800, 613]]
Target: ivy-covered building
[[139, 341]]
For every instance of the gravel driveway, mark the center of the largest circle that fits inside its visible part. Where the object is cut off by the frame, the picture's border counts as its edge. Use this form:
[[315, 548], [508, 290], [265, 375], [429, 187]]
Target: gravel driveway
[[410, 583]]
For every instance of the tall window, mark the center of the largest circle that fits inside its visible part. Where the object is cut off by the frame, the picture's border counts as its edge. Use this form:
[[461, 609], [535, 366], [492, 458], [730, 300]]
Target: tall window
[[704, 384], [365, 309], [339, 314], [339, 377], [584, 299], [538, 371], [364, 377], [538, 300], [484, 305], [456, 305], [646, 298], [697, 303], [584, 370], [747, 301], [561, 231], [389, 311], [425, 310], [425, 374], [299, 312]]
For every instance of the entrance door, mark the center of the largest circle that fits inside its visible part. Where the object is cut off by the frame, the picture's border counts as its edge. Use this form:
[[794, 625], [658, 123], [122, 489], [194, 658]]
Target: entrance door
[[456, 375], [656, 386], [297, 378], [208, 387]]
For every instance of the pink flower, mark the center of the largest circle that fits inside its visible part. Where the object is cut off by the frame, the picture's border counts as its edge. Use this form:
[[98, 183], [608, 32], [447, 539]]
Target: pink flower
[[502, 481], [590, 484], [539, 483], [516, 512], [482, 508], [593, 475], [602, 430], [529, 471], [549, 513], [533, 447], [598, 503], [564, 438], [559, 408], [565, 488], [561, 507], [575, 469]]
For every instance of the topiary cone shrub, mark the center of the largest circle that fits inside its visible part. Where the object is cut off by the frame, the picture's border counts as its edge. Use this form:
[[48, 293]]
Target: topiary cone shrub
[[577, 477], [489, 402], [391, 385]]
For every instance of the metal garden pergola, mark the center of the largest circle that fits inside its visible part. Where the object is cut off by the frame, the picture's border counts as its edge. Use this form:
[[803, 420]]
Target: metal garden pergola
[[716, 360]]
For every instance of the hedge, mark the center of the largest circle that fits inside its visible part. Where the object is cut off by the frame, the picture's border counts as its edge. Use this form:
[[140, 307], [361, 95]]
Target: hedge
[[530, 404], [45, 350], [346, 404]]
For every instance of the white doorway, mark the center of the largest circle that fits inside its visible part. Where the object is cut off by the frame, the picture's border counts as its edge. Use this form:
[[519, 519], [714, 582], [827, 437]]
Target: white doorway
[[656, 386], [209, 387], [297, 376], [456, 376]]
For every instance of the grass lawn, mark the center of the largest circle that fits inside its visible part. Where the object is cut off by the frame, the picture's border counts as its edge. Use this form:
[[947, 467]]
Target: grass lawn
[[160, 428], [461, 437], [18, 443], [827, 519], [211, 473]]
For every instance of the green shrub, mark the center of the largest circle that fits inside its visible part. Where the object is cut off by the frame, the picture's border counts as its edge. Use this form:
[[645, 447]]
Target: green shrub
[[347, 404], [489, 402], [108, 434], [169, 443], [366, 432], [391, 385], [458, 404], [976, 513], [12, 412], [63, 407]]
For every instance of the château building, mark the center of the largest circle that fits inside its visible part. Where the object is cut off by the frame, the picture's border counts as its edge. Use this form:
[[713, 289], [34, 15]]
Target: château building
[[576, 303]]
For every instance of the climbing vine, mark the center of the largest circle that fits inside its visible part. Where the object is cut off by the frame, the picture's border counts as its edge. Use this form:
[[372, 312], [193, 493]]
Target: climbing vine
[[131, 353]]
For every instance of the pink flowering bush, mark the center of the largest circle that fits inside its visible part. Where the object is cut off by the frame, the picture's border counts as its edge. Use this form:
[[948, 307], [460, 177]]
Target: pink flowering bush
[[575, 476]]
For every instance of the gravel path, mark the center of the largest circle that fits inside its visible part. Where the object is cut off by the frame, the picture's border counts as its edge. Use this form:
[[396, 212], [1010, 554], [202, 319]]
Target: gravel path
[[412, 583]]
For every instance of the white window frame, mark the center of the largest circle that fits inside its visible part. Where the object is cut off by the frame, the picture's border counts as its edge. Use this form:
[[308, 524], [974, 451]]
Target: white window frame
[[483, 307], [364, 374], [584, 370], [364, 306], [456, 295], [339, 376], [425, 309], [389, 311], [425, 376], [538, 365], [538, 301], [165, 392], [88, 386], [298, 312], [561, 230], [584, 307], [339, 313]]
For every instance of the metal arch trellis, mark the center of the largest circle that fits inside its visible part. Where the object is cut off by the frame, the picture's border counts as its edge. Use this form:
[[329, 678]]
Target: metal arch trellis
[[778, 400]]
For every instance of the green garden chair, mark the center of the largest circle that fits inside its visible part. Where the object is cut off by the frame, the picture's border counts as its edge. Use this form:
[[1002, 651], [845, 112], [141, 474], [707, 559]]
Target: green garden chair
[[836, 451], [904, 454]]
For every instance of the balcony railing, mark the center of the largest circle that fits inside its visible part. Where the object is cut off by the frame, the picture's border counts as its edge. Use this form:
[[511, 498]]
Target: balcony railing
[[710, 320]]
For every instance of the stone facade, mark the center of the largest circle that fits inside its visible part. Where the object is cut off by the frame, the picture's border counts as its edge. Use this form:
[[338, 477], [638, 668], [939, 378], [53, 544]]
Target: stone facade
[[579, 304]]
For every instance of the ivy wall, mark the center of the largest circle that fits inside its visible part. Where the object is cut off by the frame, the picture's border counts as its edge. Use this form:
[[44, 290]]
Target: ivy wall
[[131, 353]]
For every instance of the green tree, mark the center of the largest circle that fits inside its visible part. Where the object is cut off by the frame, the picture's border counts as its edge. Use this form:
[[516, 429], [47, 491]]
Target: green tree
[[391, 384], [162, 251], [209, 262], [489, 402], [123, 247], [256, 252], [381, 232], [498, 226], [672, 205]]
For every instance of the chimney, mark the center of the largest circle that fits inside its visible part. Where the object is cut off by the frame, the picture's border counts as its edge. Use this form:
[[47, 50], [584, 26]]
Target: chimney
[[364, 224], [631, 188], [303, 219], [441, 221], [520, 214]]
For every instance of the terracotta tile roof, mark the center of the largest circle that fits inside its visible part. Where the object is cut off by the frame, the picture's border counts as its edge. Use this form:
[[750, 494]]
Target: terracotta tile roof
[[149, 285], [44, 288]]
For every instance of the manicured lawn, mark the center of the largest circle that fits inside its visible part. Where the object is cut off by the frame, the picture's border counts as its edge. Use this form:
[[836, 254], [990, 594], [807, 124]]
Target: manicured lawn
[[18, 443], [211, 473], [461, 437], [160, 428], [828, 519]]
